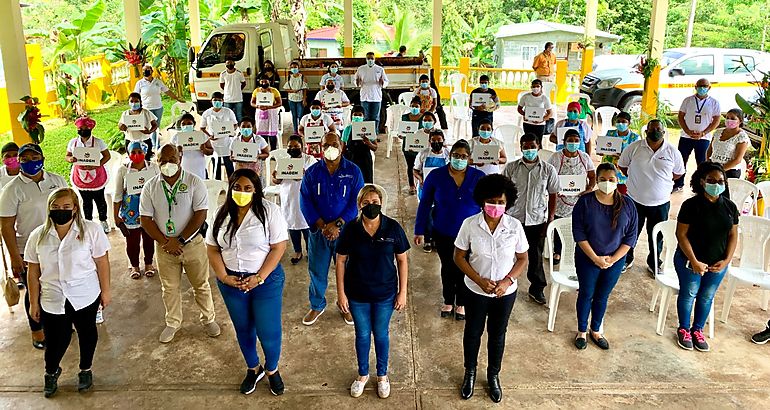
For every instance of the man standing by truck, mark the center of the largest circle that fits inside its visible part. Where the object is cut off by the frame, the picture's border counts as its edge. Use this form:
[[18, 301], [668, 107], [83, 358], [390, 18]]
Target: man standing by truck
[[232, 82], [545, 64], [698, 116], [371, 79]]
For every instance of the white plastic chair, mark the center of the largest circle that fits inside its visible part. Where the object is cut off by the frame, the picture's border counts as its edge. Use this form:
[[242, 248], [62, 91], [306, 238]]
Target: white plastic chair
[[510, 135], [271, 191], [405, 98], [461, 114], [214, 187], [112, 166], [457, 83], [764, 188], [744, 195], [565, 278], [551, 91], [605, 114], [754, 232], [394, 113], [545, 154], [577, 96], [668, 280]]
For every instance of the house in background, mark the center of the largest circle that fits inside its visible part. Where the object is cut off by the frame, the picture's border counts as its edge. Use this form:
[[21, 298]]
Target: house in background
[[323, 42], [516, 45]]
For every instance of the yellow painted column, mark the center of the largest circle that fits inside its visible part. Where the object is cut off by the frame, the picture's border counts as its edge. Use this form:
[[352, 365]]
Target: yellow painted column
[[657, 36], [435, 52], [348, 31], [562, 65], [131, 18], [37, 78], [14, 65], [193, 9], [592, 7]]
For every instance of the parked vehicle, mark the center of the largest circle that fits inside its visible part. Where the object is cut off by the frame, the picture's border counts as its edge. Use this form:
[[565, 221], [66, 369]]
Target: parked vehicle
[[730, 71], [605, 61]]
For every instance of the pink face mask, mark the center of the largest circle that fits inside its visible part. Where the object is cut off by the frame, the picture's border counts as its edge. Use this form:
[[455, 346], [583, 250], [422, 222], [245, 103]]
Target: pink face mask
[[732, 123], [494, 211], [11, 162]]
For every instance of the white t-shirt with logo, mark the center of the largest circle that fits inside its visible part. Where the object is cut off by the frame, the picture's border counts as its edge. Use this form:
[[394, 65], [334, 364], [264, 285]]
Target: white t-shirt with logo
[[191, 197], [144, 115]]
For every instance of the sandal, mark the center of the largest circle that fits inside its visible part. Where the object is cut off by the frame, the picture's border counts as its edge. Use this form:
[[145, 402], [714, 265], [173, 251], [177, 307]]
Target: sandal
[[149, 272], [135, 274]]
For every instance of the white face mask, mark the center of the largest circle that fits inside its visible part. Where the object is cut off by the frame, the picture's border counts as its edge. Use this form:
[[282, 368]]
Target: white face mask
[[607, 187], [169, 169], [332, 153]]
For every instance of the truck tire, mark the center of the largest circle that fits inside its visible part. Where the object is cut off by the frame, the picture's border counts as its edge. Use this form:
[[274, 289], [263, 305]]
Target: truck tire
[[632, 105]]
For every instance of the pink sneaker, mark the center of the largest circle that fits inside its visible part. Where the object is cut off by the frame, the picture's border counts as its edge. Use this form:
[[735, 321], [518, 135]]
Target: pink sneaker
[[699, 341], [684, 339]]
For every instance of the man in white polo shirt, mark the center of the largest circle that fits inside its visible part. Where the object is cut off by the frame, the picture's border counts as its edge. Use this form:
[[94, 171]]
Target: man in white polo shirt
[[699, 115], [173, 208], [652, 166], [24, 207], [372, 79]]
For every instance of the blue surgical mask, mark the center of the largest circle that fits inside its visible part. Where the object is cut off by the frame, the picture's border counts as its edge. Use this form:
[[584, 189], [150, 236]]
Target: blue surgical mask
[[529, 154], [702, 91], [414, 110], [31, 167], [621, 126], [458, 164], [333, 70], [484, 86], [135, 106], [424, 85], [572, 146], [294, 70], [217, 104], [246, 132], [315, 112], [187, 128], [485, 134], [369, 62], [358, 119], [427, 124], [714, 189], [572, 116]]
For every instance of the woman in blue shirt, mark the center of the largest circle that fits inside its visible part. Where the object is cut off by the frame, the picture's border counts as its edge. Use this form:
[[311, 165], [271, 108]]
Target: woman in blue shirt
[[604, 228], [450, 189]]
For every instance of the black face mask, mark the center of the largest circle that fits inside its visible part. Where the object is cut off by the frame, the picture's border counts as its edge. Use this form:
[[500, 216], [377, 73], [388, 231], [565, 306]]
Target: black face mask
[[265, 86], [60, 216], [436, 146], [330, 87], [268, 69], [294, 152], [230, 66], [371, 211], [147, 73], [655, 135], [84, 133]]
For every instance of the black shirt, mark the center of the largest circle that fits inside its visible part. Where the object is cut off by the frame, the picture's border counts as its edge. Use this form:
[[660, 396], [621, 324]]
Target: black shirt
[[370, 270], [709, 224]]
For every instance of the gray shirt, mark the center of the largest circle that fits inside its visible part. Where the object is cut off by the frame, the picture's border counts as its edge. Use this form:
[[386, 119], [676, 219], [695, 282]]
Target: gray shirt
[[534, 183]]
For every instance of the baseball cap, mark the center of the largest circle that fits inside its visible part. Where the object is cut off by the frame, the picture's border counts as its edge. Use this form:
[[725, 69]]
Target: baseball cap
[[30, 147]]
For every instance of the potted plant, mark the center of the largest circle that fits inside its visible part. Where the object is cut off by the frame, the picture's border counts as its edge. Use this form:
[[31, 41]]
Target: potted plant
[[30, 119]]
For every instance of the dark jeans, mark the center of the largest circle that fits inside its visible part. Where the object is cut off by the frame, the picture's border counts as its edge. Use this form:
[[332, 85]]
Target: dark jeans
[[256, 316], [91, 197], [476, 118], [297, 109], [154, 136], [58, 333], [228, 163], [454, 289], [320, 254], [441, 115], [595, 287], [686, 147], [410, 157], [695, 289], [494, 313], [33, 325], [372, 113], [136, 240], [372, 318], [237, 108], [272, 141], [538, 130], [296, 238], [652, 215], [536, 238]]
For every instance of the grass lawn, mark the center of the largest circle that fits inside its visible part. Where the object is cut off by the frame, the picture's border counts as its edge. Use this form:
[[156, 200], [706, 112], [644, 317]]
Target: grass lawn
[[58, 133]]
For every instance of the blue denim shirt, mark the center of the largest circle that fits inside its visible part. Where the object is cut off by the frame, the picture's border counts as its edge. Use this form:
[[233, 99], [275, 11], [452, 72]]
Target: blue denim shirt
[[452, 204], [330, 196]]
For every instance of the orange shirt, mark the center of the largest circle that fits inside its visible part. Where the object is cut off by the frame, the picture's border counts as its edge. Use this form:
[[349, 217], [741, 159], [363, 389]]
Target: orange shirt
[[544, 64]]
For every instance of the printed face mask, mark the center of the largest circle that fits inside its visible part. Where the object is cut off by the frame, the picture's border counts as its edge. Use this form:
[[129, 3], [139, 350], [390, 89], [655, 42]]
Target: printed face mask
[[11, 162], [32, 167], [733, 124]]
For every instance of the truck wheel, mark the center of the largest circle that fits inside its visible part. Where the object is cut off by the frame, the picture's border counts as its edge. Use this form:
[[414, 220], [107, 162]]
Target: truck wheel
[[633, 106]]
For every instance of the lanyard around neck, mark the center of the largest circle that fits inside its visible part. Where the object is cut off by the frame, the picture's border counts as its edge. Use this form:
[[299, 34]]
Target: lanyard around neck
[[171, 192]]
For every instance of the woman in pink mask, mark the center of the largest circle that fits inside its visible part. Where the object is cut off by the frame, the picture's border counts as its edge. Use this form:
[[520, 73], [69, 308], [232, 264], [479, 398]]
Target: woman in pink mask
[[729, 144], [89, 154], [491, 250], [10, 167]]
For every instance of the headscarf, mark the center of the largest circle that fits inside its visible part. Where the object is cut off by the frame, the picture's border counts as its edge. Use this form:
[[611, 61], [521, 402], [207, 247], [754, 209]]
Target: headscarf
[[85, 122], [574, 105]]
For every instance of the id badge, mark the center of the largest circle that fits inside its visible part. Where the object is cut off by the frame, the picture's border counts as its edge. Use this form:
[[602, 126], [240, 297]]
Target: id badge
[[170, 227], [697, 118]]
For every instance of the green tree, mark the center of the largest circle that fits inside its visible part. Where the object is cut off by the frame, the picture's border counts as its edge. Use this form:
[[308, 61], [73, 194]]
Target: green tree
[[165, 29], [405, 33]]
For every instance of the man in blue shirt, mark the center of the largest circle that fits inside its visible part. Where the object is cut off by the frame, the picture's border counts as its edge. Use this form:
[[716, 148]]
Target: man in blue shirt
[[328, 201]]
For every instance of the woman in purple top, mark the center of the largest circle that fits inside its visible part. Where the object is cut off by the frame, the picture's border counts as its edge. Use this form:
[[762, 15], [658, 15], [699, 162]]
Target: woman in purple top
[[604, 228]]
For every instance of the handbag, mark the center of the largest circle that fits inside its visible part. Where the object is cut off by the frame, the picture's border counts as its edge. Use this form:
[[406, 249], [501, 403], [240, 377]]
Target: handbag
[[11, 291]]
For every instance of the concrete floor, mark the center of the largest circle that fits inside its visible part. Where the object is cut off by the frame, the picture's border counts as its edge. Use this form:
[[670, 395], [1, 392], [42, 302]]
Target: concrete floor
[[540, 369]]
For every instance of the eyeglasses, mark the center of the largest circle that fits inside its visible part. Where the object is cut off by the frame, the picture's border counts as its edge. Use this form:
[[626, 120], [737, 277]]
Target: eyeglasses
[[460, 156]]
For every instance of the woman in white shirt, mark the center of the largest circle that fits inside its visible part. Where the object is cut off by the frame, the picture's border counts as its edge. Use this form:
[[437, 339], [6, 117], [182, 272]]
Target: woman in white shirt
[[729, 144], [491, 249], [333, 109], [535, 99], [245, 245], [485, 139], [138, 123], [332, 73], [69, 276], [298, 226], [150, 88], [219, 123], [89, 179], [246, 134], [296, 87], [193, 160]]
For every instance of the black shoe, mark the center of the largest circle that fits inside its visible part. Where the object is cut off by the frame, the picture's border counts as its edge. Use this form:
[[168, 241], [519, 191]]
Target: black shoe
[[495, 391], [295, 261], [684, 339], [601, 342], [85, 381], [627, 266], [276, 383], [538, 298], [249, 383], [580, 343], [459, 316], [469, 382], [40, 345], [51, 383], [763, 336], [427, 248], [651, 270], [446, 314]]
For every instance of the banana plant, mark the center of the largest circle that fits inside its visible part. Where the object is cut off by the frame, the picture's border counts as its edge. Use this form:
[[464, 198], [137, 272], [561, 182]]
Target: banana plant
[[757, 110], [165, 31], [405, 33]]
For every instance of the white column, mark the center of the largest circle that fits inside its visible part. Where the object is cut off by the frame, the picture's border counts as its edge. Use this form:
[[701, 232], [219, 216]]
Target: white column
[[436, 49], [690, 23], [193, 9], [15, 64], [132, 20], [348, 29]]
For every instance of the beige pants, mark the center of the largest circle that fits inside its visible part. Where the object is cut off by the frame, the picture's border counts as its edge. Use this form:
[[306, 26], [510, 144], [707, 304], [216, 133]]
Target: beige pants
[[547, 78], [195, 263]]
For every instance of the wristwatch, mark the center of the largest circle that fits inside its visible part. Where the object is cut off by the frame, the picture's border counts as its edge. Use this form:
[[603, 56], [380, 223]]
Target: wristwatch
[[511, 279], [339, 222], [260, 281]]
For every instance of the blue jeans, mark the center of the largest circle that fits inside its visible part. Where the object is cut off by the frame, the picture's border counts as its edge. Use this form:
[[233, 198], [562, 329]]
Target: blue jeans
[[158, 112], [695, 289], [237, 108], [372, 318], [372, 113], [595, 287], [256, 315], [296, 238], [297, 109], [320, 254], [686, 147]]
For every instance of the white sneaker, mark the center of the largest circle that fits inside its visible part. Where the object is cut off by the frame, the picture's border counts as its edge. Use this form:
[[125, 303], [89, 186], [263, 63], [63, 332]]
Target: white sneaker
[[357, 388], [383, 388], [99, 316], [106, 227]]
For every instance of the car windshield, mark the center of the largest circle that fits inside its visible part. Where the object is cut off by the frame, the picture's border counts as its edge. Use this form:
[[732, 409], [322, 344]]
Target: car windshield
[[669, 57]]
